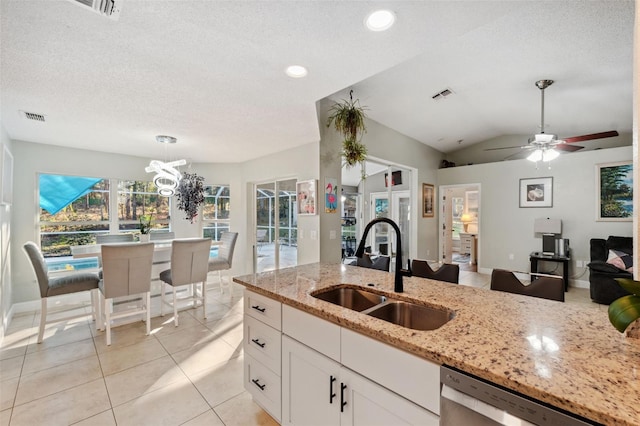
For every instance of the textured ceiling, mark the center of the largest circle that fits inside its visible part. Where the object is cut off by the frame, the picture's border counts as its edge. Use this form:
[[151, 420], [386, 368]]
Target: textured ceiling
[[211, 73]]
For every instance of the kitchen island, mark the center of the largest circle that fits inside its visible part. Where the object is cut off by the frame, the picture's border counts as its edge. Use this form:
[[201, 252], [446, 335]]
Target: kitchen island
[[564, 355]]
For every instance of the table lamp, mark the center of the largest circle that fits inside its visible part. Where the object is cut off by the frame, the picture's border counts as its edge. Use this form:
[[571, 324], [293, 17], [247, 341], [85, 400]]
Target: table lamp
[[466, 219]]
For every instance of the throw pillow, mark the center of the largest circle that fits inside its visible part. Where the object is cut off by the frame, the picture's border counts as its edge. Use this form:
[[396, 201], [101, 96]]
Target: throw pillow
[[620, 260]]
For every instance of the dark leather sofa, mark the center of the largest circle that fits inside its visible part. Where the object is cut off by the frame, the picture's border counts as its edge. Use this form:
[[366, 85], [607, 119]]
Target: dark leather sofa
[[603, 286]]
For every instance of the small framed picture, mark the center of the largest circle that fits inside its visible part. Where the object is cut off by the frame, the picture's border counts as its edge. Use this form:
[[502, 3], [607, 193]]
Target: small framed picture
[[306, 197], [536, 192], [428, 200], [614, 186]]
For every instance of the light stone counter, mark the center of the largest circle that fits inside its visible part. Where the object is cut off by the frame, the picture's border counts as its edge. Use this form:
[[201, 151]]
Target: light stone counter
[[566, 356]]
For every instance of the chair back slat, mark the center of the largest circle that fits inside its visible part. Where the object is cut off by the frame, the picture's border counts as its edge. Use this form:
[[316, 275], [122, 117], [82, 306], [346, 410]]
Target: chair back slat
[[545, 287], [447, 272], [189, 261], [126, 269], [39, 266], [225, 250]]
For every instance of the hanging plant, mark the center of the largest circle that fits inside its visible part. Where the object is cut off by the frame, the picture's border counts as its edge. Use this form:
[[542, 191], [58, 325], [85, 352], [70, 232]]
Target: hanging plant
[[348, 118], [190, 195]]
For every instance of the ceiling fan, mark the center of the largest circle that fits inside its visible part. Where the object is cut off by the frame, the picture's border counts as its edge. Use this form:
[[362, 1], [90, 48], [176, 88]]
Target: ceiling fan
[[546, 146]]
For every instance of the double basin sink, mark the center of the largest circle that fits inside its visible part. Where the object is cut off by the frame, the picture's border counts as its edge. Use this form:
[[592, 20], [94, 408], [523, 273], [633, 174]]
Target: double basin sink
[[405, 314]]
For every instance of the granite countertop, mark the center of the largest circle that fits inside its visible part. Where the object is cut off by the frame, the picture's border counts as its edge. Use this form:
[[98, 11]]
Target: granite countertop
[[561, 354]]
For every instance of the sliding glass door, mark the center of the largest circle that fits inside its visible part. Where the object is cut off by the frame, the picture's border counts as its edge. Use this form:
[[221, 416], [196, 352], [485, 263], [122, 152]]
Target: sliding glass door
[[276, 225]]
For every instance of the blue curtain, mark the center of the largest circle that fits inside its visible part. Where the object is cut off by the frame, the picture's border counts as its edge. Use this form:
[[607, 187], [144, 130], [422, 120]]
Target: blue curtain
[[57, 192]]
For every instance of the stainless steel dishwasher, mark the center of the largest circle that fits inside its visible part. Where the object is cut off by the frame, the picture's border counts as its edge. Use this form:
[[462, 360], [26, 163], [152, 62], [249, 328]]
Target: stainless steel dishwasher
[[466, 400]]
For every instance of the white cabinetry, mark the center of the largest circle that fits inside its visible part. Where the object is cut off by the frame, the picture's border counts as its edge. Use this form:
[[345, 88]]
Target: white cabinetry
[[262, 342], [318, 389]]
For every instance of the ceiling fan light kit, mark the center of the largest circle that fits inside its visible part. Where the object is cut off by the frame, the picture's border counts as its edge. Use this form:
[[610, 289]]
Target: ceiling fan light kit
[[546, 146]]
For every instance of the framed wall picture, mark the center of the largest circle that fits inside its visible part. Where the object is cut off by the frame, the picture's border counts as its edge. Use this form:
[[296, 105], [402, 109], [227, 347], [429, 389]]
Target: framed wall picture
[[7, 177], [536, 192], [428, 200], [330, 195], [614, 187], [306, 197]]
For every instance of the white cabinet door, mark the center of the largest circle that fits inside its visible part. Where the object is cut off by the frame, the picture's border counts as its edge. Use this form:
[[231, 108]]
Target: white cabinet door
[[369, 404], [310, 386]]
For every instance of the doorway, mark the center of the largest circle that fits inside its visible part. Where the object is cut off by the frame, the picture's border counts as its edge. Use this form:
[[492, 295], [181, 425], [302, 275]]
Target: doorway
[[276, 225], [460, 225]]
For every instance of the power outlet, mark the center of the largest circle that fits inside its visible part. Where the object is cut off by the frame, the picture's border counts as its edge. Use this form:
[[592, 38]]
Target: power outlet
[[332, 235], [428, 252], [579, 264], [312, 235], [511, 256]]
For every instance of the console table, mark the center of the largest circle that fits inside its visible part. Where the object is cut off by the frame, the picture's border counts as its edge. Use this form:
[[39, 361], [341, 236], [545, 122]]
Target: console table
[[564, 260]]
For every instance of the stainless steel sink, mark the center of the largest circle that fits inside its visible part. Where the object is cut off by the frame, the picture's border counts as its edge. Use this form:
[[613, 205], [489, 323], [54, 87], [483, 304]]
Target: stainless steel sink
[[358, 300], [411, 315]]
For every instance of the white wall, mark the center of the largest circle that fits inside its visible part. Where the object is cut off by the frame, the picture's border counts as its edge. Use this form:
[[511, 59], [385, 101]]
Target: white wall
[[508, 229], [5, 242]]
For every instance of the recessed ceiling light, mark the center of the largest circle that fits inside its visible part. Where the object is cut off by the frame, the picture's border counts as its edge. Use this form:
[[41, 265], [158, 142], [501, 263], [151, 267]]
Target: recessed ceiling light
[[380, 20], [296, 71]]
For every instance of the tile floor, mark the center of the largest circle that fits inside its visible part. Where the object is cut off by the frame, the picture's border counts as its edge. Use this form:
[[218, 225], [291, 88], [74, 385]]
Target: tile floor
[[189, 375]]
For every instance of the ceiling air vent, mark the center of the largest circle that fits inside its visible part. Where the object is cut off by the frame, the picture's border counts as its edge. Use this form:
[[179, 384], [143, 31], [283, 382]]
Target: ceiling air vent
[[33, 116], [109, 8], [442, 94]]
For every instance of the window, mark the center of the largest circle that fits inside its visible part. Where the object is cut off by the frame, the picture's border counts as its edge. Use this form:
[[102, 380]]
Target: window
[[73, 210], [137, 199], [215, 213]]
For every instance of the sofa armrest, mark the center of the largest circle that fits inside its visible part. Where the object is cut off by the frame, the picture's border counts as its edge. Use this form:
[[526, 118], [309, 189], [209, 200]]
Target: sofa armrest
[[599, 251], [604, 267]]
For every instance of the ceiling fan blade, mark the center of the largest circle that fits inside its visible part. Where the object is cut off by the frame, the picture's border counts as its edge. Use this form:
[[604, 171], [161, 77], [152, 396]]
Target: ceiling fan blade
[[602, 135], [567, 148], [508, 147]]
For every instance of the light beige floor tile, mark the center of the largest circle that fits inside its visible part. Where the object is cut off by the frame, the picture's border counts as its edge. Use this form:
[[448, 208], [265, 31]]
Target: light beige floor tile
[[5, 417], [222, 382], [187, 338], [58, 334], [163, 326], [122, 336], [170, 405], [105, 418], [215, 312], [58, 355], [64, 408], [56, 379], [209, 418], [229, 329], [204, 356], [12, 352], [21, 321], [134, 382], [130, 356], [242, 411], [11, 367], [8, 389]]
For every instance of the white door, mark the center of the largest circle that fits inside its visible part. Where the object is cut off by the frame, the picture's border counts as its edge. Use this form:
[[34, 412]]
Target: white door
[[310, 386], [369, 404]]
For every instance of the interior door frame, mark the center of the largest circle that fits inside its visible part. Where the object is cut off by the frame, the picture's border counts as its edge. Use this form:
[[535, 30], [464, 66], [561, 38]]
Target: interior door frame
[[445, 220]]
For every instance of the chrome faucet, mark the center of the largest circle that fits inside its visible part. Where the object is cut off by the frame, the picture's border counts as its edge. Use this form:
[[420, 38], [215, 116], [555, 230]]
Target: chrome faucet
[[398, 287]]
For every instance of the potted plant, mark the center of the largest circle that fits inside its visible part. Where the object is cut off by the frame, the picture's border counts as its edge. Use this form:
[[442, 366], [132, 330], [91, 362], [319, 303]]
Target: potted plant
[[145, 227], [626, 310], [190, 195], [348, 118]]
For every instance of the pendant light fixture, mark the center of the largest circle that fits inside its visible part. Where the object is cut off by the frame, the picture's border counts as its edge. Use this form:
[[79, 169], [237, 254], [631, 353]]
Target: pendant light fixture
[[167, 176]]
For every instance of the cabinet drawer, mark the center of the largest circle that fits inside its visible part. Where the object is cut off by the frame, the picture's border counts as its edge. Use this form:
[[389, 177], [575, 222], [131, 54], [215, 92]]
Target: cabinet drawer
[[263, 343], [262, 308], [264, 385], [413, 377], [319, 334]]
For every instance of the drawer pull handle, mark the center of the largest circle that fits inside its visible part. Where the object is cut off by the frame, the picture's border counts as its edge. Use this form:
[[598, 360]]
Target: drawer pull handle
[[342, 401], [257, 342], [259, 309], [257, 383], [331, 394]]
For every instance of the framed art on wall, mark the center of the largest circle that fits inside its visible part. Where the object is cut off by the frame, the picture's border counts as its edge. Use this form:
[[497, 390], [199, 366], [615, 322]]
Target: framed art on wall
[[614, 187], [536, 192], [428, 200], [306, 193]]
